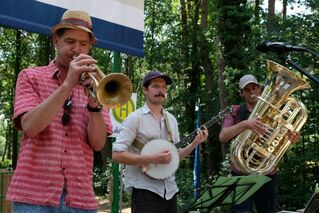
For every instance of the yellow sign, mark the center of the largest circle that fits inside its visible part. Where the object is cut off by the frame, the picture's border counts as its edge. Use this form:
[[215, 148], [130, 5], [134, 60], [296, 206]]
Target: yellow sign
[[120, 113]]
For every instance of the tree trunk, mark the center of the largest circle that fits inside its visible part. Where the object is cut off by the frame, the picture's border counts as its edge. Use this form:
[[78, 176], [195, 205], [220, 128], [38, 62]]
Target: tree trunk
[[271, 15], [211, 162], [206, 61], [284, 9], [195, 64], [189, 16], [183, 18], [222, 94]]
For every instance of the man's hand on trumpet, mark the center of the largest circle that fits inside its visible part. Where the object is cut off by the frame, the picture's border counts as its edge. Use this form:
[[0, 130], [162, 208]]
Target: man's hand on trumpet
[[85, 66], [80, 64]]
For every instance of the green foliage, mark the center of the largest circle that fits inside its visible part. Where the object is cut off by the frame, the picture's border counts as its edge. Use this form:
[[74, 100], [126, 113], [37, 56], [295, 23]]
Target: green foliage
[[313, 4], [184, 175], [178, 49], [235, 32], [5, 164], [101, 179], [225, 166], [104, 59], [2, 138], [103, 182]]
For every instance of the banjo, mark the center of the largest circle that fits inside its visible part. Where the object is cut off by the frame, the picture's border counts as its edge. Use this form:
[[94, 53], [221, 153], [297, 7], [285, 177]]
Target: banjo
[[162, 171]]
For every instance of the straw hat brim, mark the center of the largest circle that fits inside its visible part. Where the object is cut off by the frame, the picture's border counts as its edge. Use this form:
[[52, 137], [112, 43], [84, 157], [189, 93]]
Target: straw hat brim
[[70, 26]]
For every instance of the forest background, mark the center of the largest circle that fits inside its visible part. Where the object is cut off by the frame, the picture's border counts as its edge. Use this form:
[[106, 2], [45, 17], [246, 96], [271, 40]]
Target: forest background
[[205, 46]]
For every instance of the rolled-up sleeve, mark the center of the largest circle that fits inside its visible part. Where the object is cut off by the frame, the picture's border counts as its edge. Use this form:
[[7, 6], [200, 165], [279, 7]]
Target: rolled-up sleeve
[[27, 96], [230, 119], [127, 133]]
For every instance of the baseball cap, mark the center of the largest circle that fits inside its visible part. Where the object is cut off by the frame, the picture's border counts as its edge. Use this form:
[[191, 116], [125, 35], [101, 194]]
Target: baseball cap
[[76, 19], [247, 79], [156, 74]]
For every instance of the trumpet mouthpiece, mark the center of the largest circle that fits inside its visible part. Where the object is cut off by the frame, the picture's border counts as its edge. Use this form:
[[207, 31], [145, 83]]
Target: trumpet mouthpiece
[[74, 56], [253, 95]]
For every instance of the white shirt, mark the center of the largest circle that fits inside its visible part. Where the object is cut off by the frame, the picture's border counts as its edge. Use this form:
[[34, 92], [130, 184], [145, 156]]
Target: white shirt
[[144, 127]]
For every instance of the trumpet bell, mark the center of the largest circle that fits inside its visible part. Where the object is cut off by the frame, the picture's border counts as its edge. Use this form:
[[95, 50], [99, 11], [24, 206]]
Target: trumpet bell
[[114, 90]]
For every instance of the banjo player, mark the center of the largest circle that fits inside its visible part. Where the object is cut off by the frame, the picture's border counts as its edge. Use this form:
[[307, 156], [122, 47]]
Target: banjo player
[[145, 124]]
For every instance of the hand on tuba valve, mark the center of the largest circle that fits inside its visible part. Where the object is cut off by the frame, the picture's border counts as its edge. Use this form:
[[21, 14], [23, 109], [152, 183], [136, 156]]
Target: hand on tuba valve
[[111, 91]]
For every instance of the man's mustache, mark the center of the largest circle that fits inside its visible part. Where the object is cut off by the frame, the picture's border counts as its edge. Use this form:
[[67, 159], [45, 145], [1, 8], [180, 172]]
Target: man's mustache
[[160, 95]]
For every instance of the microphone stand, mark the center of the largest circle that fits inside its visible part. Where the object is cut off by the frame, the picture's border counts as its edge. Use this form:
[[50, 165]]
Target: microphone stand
[[286, 60]]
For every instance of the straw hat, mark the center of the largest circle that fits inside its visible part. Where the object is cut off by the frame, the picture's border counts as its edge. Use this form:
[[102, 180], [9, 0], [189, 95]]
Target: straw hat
[[76, 19]]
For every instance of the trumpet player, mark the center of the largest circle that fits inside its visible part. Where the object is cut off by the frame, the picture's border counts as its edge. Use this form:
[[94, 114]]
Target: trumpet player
[[61, 126], [265, 199]]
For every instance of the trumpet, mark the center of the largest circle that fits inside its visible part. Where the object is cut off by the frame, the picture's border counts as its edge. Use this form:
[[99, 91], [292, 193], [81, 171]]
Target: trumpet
[[111, 91]]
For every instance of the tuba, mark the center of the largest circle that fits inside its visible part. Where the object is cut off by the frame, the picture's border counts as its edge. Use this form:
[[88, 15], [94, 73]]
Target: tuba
[[254, 153]]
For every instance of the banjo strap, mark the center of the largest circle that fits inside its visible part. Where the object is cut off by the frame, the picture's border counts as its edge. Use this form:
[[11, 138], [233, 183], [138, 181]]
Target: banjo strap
[[138, 145], [168, 128]]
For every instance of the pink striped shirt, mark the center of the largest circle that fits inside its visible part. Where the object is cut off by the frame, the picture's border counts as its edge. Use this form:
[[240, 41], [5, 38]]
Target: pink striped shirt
[[59, 153]]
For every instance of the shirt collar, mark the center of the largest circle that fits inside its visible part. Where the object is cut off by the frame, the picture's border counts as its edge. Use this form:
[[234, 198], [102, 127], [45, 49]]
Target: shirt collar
[[146, 110], [55, 71]]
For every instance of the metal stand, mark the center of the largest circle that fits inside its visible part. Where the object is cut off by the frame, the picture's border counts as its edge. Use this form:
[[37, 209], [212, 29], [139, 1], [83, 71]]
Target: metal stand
[[286, 60], [313, 203], [228, 191]]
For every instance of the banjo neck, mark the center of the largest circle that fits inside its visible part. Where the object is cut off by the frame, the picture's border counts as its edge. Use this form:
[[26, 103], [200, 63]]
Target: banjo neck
[[189, 138]]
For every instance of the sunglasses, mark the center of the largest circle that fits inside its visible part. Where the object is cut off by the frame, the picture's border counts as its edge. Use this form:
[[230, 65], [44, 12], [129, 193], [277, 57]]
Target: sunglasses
[[66, 113]]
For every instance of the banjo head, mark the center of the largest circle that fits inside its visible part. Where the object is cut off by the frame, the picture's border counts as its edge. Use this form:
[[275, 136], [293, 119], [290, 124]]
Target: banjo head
[[161, 171]]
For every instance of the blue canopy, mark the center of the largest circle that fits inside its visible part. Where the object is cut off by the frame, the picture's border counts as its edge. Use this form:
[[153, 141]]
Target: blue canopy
[[123, 32]]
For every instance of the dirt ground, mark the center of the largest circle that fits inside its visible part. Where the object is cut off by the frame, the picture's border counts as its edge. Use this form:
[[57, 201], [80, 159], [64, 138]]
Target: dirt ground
[[105, 207]]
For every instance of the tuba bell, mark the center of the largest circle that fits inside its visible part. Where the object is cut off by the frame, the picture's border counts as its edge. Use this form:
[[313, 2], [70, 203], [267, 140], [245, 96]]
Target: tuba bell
[[254, 153]]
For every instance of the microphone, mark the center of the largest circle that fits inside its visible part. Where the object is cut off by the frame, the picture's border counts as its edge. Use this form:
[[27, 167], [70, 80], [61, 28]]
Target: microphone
[[277, 47]]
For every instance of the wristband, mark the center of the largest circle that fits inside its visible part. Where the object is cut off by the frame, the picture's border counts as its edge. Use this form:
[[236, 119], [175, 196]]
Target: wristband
[[94, 109]]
